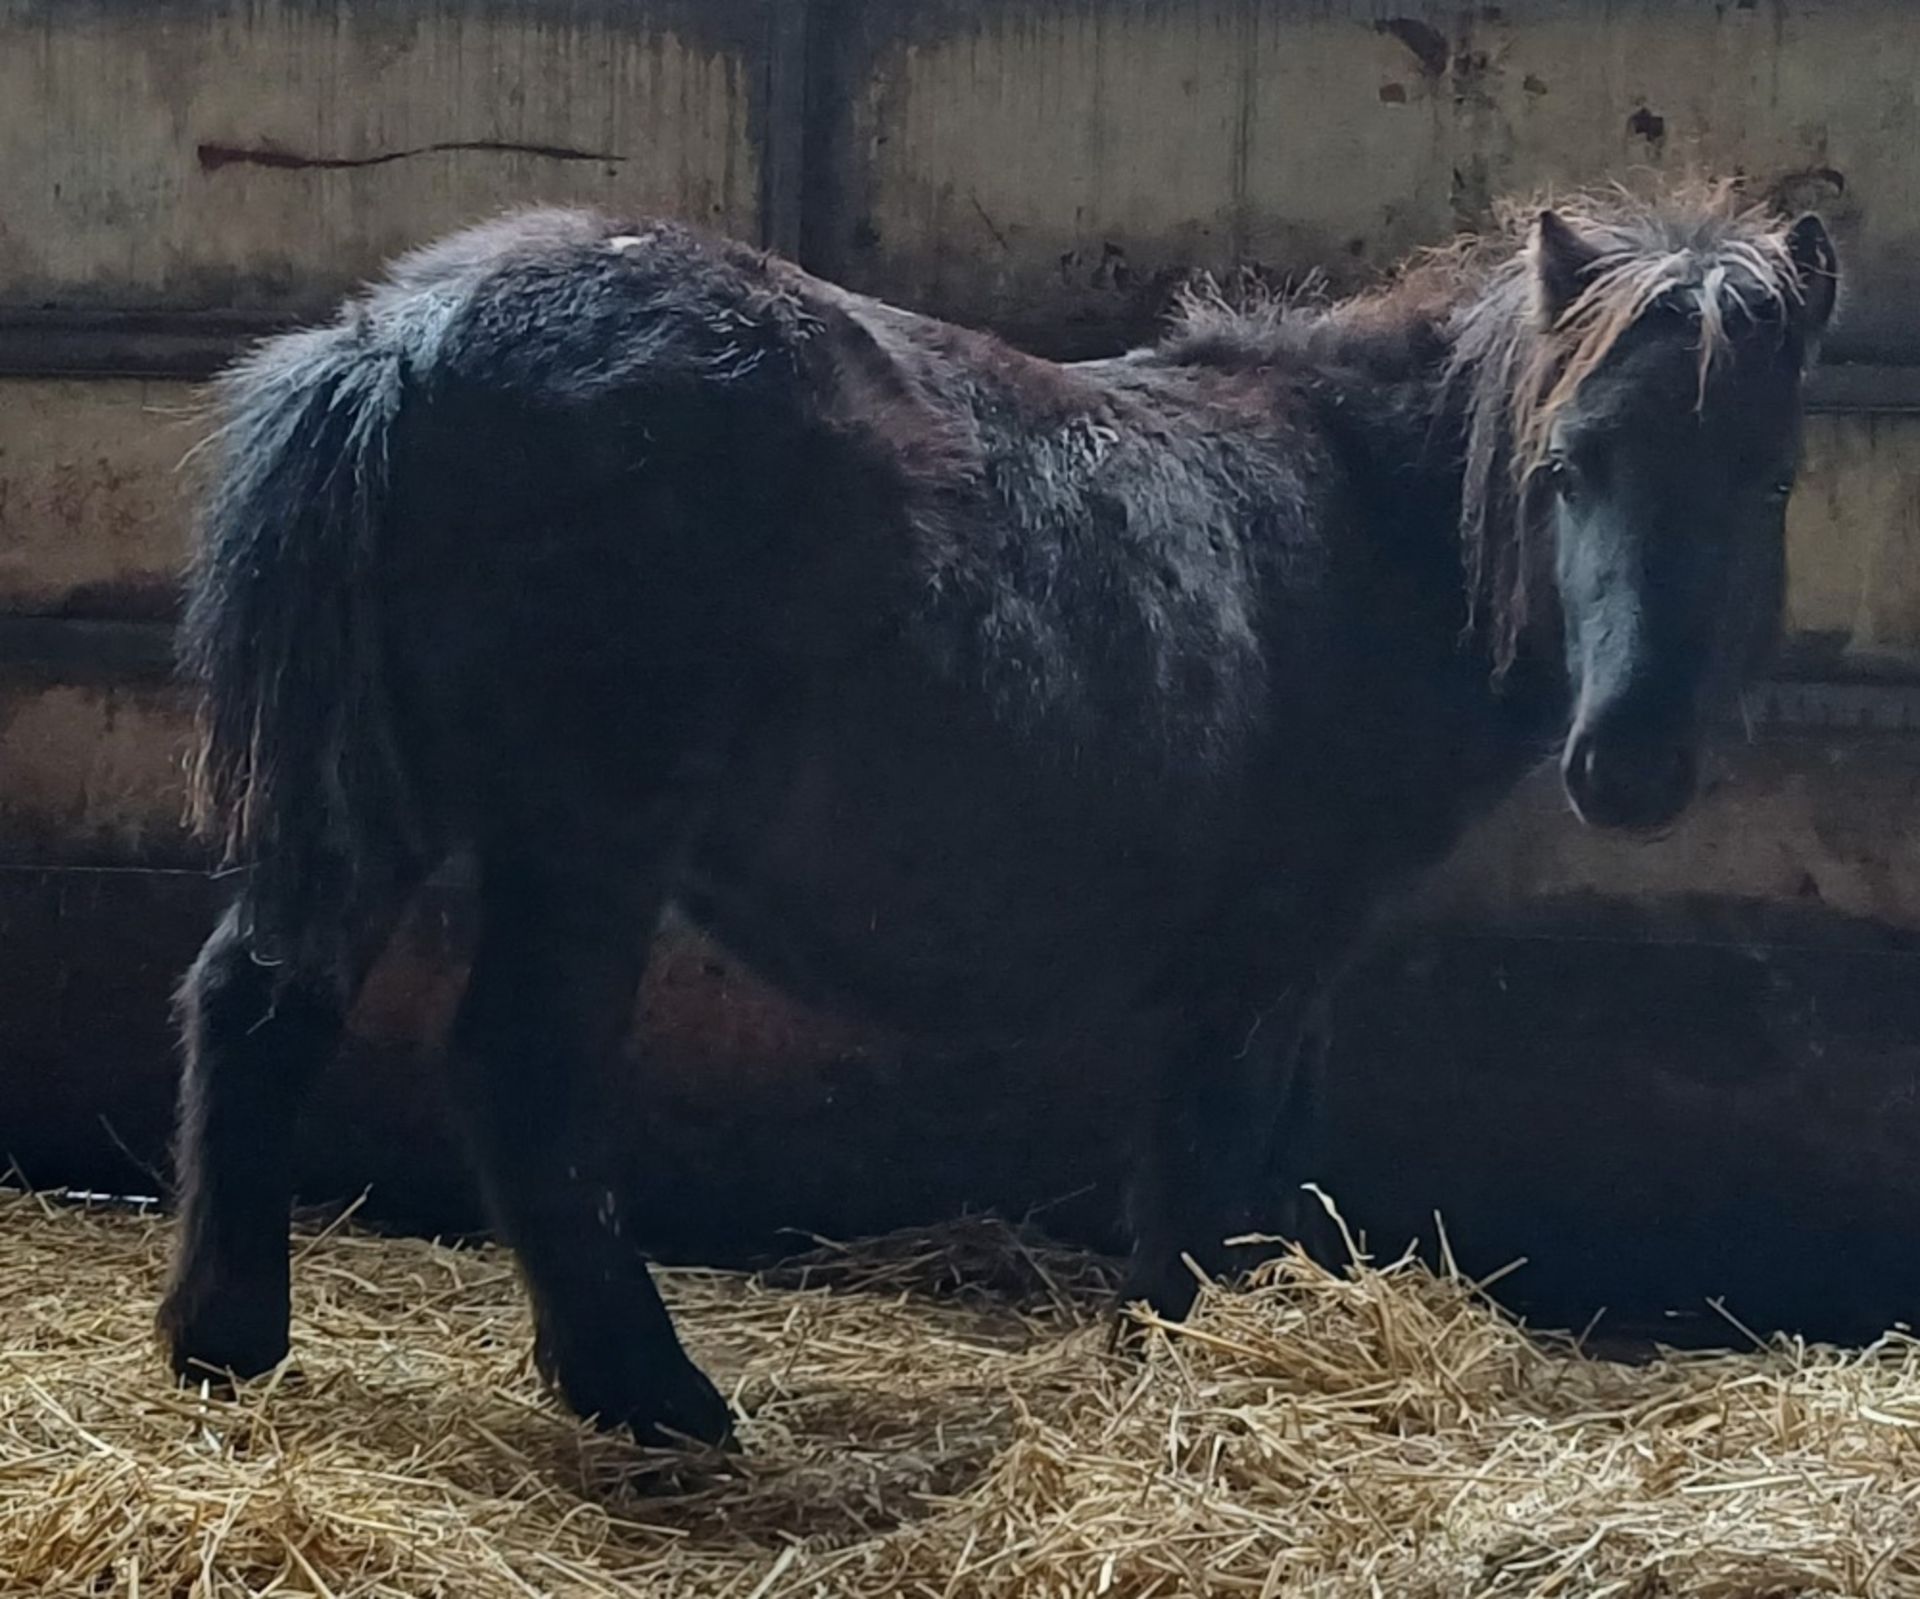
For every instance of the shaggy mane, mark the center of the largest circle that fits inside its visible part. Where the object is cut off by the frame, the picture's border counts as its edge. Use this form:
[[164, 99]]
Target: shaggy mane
[[1697, 249]]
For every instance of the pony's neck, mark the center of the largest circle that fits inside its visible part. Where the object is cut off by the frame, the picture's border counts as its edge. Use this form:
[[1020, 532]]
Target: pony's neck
[[1393, 384], [1401, 417]]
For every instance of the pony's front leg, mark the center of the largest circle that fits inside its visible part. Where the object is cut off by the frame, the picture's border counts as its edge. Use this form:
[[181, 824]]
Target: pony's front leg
[[257, 1026], [561, 953], [1213, 1144]]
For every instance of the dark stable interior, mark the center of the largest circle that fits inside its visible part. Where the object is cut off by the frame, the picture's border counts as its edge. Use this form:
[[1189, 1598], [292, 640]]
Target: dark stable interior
[[1662, 1111]]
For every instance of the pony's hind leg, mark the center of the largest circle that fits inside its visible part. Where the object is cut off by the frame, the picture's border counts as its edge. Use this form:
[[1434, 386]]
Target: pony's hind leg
[[562, 948], [257, 1026]]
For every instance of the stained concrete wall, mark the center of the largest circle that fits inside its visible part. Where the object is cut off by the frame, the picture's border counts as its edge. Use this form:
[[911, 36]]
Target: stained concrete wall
[[262, 156], [1044, 163]]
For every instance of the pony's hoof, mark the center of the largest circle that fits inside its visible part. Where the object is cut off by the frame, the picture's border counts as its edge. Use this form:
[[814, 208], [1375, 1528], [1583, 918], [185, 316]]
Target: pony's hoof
[[1168, 1288], [665, 1403], [690, 1411], [216, 1339], [1126, 1332]]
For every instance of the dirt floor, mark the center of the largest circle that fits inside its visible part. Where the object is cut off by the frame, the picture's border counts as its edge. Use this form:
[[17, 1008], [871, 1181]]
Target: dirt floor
[[929, 1415]]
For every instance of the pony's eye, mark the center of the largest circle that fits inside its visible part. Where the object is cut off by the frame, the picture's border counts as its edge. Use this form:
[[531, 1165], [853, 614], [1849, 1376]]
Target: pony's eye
[[1560, 476], [1780, 488]]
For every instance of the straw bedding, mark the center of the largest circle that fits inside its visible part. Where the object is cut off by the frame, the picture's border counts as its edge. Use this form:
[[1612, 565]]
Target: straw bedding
[[933, 1416]]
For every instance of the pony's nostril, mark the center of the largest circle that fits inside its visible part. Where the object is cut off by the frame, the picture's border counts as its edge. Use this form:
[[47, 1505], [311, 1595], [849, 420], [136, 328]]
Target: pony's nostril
[[1581, 764], [1612, 785]]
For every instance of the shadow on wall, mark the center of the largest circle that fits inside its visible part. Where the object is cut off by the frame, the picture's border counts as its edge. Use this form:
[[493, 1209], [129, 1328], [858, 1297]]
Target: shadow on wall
[[1700, 1100]]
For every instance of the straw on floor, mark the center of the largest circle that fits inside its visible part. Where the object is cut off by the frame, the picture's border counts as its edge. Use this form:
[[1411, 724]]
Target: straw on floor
[[934, 1416]]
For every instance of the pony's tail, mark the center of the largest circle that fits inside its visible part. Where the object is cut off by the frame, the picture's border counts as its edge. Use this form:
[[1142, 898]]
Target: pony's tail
[[294, 773]]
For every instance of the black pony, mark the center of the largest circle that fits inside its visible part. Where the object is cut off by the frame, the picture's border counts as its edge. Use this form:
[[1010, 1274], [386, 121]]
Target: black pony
[[995, 697]]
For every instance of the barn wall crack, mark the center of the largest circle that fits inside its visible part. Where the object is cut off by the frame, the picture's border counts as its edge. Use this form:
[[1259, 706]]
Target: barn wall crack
[[213, 157]]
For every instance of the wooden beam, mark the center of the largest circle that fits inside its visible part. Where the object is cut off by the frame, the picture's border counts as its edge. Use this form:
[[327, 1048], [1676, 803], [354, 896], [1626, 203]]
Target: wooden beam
[[783, 127], [194, 345], [187, 345], [1863, 386], [70, 650]]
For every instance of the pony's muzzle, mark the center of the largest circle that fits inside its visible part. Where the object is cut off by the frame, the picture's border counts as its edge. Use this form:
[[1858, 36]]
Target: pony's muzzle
[[1627, 783]]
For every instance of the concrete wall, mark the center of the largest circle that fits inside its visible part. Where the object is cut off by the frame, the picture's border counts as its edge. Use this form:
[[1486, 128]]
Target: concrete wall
[[1854, 546], [262, 156], [94, 500], [1041, 163], [93, 525]]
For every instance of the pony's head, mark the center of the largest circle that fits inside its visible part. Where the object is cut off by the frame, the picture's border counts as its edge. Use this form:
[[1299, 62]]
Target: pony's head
[[1633, 434]]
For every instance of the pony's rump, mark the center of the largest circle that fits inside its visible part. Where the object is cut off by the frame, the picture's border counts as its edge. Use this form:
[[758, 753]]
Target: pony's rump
[[297, 772]]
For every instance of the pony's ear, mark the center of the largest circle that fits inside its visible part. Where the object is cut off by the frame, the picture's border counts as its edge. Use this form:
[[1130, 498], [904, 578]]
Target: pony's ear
[[1818, 270], [1562, 263]]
